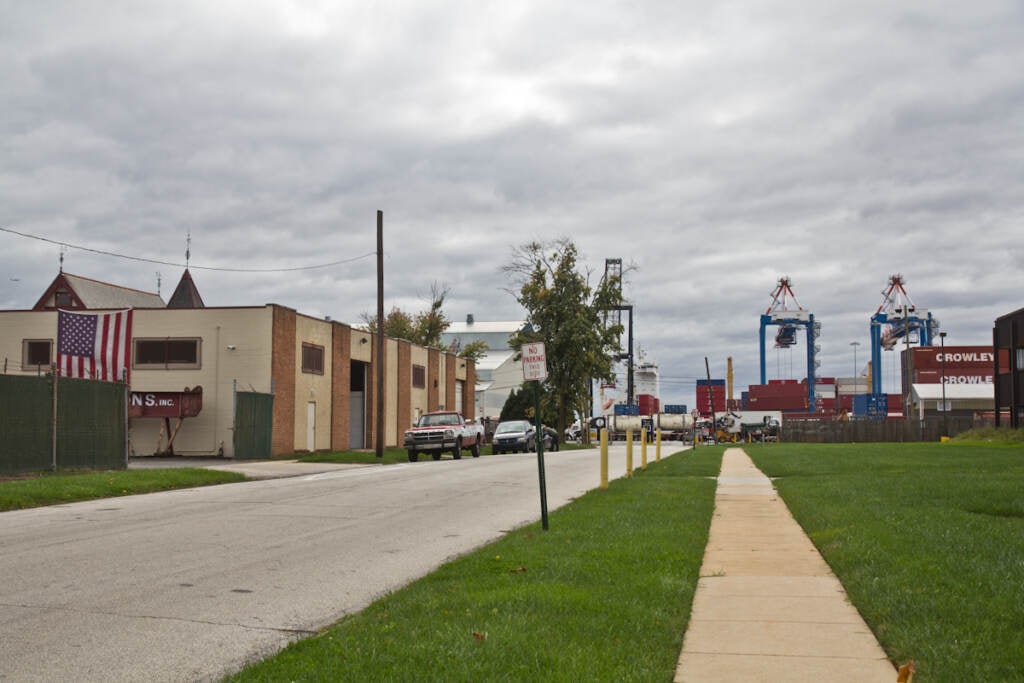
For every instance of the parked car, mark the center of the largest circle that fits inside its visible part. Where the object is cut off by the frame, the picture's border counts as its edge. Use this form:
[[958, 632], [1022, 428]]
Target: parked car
[[443, 431], [514, 436]]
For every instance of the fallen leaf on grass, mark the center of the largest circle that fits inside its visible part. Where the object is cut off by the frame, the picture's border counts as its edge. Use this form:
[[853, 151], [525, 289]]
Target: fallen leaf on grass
[[906, 673], [518, 570], [480, 637]]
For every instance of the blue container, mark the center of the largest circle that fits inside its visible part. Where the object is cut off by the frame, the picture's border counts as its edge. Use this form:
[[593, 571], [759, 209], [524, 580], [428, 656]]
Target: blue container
[[872, 406], [675, 409], [711, 382], [623, 409]]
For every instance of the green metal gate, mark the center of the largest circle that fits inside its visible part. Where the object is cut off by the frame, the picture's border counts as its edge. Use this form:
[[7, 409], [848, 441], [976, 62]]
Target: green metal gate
[[254, 422]]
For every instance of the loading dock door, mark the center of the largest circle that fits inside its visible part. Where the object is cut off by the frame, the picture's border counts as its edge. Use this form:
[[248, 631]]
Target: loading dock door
[[311, 426], [357, 406]]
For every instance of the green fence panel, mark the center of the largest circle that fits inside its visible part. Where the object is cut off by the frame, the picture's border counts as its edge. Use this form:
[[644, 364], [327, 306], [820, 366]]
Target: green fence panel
[[26, 424], [254, 422], [90, 424], [867, 431]]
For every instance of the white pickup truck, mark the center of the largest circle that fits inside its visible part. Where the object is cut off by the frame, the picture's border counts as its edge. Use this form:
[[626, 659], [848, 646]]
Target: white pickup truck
[[441, 432]]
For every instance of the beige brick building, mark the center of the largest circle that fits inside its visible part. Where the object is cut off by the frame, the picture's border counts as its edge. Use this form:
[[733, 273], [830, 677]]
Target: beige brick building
[[321, 373]]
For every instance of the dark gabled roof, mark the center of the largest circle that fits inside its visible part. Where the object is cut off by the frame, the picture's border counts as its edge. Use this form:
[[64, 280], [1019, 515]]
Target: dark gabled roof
[[185, 294], [86, 293]]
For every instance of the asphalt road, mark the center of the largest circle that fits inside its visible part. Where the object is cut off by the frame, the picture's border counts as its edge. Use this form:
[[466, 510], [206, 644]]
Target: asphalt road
[[190, 585]]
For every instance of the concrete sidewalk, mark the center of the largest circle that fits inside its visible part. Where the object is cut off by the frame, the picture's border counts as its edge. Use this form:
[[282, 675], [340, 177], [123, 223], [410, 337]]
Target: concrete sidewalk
[[767, 607]]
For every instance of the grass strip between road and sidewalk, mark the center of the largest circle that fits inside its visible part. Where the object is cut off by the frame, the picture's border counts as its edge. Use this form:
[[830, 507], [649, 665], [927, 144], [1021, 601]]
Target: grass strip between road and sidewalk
[[603, 595], [928, 540], [37, 490]]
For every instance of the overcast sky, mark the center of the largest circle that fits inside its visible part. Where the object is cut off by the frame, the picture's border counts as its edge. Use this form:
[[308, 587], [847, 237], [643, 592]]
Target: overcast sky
[[715, 146]]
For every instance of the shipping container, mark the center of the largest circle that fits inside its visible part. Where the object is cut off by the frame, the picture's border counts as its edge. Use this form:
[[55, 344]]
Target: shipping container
[[873, 406], [711, 398], [777, 403], [958, 364], [674, 409], [623, 409], [647, 404]]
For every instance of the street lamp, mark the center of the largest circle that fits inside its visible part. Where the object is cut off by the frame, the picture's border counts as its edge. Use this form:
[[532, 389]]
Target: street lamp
[[854, 344], [945, 411]]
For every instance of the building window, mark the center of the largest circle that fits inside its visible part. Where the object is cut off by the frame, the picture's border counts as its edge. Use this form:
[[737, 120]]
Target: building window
[[313, 359], [62, 298], [36, 353], [419, 377], [168, 353]]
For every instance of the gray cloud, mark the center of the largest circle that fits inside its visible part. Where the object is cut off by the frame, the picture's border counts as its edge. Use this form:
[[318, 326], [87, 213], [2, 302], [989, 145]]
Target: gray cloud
[[717, 146]]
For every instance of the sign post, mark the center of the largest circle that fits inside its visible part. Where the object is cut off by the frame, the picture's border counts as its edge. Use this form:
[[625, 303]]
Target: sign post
[[535, 369]]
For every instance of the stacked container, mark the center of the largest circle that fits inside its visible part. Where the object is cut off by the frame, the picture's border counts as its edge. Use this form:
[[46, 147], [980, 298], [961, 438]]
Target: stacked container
[[711, 396]]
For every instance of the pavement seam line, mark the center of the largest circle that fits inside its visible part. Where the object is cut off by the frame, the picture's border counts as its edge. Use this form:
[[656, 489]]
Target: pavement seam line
[[51, 608]]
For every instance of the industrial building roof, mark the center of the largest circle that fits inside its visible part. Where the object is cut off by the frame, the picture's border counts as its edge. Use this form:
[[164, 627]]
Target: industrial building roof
[[954, 392], [93, 294], [186, 295], [486, 327]]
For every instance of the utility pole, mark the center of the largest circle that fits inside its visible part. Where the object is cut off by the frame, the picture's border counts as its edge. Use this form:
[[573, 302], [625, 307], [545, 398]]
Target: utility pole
[[711, 396], [379, 362], [945, 408]]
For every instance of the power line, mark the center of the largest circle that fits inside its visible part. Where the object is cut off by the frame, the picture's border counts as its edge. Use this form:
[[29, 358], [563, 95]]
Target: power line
[[186, 265]]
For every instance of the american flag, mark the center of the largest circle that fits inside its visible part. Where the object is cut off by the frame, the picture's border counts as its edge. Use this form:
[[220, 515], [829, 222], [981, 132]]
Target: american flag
[[94, 345]]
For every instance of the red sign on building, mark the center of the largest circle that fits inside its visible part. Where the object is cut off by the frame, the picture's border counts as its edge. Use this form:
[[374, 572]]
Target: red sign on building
[[959, 364], [166, 403]]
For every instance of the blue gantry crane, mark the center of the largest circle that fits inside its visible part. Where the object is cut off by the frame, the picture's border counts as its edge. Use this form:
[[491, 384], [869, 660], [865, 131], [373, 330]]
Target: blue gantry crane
[[897, 318], [789, 321]]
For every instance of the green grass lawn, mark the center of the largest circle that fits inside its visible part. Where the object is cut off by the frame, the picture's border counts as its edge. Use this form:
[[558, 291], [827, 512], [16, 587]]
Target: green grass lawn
[[928, 540], [67, 487], [604, 595]]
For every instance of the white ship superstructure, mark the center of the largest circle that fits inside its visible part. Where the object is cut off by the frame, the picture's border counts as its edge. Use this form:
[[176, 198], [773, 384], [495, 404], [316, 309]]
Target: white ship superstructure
[[646, 381]]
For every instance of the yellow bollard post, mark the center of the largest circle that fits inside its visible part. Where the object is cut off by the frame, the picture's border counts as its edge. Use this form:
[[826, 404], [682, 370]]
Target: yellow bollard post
[[657, 448], [643, 449], [604, 458], [629, 453]]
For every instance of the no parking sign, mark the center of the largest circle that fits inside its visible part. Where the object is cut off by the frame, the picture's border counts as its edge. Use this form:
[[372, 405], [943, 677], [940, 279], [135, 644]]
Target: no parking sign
[[535, 362], [535, 369]]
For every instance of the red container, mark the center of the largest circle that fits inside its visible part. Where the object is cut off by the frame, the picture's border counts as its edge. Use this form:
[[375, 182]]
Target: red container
[[960, 364], [648, 404], [710, 398]]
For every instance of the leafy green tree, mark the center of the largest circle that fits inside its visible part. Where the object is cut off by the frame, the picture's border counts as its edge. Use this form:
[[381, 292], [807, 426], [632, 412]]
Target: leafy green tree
[[474, 350], [424, 328], [568, 315], [519, 406]]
